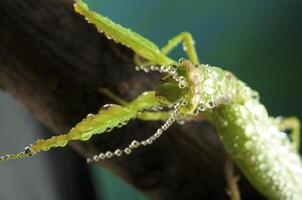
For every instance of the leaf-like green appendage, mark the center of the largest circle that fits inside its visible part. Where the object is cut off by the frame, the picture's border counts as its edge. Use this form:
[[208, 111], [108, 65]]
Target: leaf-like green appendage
[[118, 33], [109, 116]]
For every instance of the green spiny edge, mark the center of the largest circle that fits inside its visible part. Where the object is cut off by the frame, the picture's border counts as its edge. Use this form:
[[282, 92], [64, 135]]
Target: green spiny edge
[[125, 36], [106, 119], [253, 139]]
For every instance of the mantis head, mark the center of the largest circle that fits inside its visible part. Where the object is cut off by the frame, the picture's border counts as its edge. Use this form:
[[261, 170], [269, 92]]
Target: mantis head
[[181, 85]]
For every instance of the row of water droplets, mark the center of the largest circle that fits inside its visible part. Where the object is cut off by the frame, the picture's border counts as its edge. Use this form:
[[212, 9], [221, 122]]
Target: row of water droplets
[[169, 69], [135, 144], [27, 152]]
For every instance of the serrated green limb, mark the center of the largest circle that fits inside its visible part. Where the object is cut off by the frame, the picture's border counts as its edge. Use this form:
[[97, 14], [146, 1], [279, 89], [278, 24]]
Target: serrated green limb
[[142, 46], [106, 119]]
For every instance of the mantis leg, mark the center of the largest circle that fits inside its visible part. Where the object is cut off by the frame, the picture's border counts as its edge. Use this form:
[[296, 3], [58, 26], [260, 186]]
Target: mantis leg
[[109, 117], [231, 179], [188, 46], [293, 124], [142, 46], [144, 115]]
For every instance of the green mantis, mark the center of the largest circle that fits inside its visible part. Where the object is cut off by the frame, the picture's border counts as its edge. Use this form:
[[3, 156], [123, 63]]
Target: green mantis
[[254, 140]]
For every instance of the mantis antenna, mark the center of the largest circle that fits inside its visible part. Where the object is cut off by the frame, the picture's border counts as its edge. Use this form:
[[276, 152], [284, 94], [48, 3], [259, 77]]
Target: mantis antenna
[[135, 144]]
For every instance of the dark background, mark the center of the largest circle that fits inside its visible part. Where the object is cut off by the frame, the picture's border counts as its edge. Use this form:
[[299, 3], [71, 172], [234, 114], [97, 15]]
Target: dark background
[[259, 41]]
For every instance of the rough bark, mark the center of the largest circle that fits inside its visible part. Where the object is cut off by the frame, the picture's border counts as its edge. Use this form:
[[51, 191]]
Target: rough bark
[[53, 62]]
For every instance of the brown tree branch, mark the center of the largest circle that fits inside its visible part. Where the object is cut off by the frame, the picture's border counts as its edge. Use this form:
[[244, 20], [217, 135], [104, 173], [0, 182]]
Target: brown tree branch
[[54, 63]]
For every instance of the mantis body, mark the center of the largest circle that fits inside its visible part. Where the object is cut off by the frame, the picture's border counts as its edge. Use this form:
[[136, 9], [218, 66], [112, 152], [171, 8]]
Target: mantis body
[[254, 140]]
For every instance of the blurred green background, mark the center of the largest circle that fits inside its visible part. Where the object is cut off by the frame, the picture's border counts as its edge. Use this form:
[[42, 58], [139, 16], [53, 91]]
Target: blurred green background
[[260, 41]]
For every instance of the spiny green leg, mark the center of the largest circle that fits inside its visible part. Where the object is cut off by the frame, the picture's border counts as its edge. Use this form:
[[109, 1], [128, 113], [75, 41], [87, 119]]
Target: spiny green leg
[[109, 116], [231, 178], [293, 124], [144, 115], [188, 46], [118, 33]]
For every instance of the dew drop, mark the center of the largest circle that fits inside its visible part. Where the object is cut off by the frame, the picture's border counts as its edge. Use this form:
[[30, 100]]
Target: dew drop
[[208, 82], [195, 99], [248, 145], [107, 106], [90, 115], [182, 84], [85, 136], [62, 143], [185, 48], [255, 95], [196, 78], [211, 104], [225, 123], [249, 129], [262, 166], [181, 60], [260, 158], [109, 129], [253, 158], [202, 108], [181, 122], [209, 90], [195, 112], [120, 125]]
